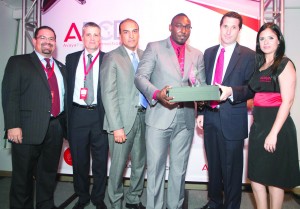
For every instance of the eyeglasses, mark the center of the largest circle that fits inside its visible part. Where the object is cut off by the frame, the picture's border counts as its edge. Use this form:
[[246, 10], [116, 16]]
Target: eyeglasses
[[180, 27], [44, 38]]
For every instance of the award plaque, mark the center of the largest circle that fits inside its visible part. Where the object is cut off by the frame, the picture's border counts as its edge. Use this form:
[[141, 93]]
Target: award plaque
[[187, 93]]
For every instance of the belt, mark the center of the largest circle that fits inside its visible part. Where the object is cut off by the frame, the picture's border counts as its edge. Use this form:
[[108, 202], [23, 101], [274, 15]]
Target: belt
[[209, 108], [141, 109], [87, 107], [180, 105], [58, 116]]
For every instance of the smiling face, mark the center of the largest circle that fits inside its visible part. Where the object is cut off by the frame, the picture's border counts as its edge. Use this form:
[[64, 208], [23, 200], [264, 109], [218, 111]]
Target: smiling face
[[180, 29], [44, 42], [91, 38], [129, 34], [268, 41], [229, 31]]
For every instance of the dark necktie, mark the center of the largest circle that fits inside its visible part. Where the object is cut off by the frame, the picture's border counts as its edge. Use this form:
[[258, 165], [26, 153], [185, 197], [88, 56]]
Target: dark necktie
[[142, 100], [55, 107], [88, 83], [218, 74]]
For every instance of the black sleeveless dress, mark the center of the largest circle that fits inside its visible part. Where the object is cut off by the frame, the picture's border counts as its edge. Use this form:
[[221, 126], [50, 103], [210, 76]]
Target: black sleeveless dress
[[280, 168]]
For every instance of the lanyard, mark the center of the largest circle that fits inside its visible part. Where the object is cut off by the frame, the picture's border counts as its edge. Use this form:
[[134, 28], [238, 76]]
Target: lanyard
[[86, 71], [49, 73]]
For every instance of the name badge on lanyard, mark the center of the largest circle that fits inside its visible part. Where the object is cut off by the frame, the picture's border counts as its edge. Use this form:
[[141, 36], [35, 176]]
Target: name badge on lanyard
[[84, 91]]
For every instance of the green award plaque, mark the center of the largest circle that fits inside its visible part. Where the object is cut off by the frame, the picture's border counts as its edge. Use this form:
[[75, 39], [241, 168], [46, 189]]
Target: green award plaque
[[187, 93]]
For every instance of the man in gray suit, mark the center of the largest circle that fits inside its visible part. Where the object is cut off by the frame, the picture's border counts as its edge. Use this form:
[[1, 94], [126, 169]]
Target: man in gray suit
[[124, 117], [165, 64]]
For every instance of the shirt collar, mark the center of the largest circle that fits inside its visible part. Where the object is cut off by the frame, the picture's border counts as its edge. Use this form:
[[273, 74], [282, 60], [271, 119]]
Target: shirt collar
[[129, 52], [175, 45], [41, 57], [94, 53], [228, 48]]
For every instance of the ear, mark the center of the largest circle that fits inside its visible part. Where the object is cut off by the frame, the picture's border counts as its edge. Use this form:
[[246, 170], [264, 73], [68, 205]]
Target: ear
[[170, 28], [34, 41]]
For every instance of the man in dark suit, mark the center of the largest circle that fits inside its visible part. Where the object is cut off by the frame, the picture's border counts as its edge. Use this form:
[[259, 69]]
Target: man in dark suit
[[124, 117], [33, 92], [169, 126], [85, 115], [226, 123]]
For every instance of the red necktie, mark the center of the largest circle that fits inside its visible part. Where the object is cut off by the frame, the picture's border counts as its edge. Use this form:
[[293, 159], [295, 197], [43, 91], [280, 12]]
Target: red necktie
[[218, 74], [55, 107], [180, 58]]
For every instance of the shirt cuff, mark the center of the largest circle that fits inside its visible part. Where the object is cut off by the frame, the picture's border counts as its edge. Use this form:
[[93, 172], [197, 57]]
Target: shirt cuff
[[155, 94]]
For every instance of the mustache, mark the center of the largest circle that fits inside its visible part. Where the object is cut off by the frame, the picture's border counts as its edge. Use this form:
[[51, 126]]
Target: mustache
[[49, 44]]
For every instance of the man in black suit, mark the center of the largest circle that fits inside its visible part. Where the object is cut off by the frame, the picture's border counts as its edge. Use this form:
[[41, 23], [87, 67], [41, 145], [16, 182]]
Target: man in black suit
[[33, 95], [226, 123], [85, 115]]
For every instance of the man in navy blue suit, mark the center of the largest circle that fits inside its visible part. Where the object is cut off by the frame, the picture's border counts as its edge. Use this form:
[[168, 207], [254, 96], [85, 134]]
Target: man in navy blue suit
[[226, 123], [85, 115]]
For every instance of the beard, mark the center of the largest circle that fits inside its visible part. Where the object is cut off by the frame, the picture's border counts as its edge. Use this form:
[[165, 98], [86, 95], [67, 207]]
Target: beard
[[47, 50]]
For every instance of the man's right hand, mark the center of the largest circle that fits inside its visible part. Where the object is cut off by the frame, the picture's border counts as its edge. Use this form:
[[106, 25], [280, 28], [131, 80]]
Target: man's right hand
[[15, 135], [163, 98], [119, 135], [199, 121]]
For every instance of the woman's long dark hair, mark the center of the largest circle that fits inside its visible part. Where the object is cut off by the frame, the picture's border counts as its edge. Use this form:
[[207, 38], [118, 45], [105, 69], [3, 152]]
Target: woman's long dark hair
[[260, 56]]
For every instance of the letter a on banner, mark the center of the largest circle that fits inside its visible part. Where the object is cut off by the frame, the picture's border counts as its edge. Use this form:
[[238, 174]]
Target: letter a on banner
[[69, 36]]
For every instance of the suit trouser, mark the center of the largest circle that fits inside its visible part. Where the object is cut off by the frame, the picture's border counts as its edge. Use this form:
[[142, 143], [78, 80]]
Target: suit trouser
[[136, 148], [177, 139], [86, 141], [39, 161], [225, 164]]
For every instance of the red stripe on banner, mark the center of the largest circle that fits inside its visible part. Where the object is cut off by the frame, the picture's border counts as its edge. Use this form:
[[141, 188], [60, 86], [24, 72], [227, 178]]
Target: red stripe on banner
[[248, 21]]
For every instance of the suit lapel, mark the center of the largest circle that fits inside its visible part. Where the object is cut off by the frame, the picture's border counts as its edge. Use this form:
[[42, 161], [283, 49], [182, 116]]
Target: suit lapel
[[188, 62], [38, 66], [60, 67], [126, 59], [211, 64], [140, 53], [101, 54], [62, 71], [172, 56], [72, 72], [234, 59]]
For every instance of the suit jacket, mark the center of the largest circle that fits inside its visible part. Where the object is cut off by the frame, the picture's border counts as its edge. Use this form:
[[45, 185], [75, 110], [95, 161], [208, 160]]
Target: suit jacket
[[119, 95], [26, 97], [233, 115], [159, 67], [71, 66]]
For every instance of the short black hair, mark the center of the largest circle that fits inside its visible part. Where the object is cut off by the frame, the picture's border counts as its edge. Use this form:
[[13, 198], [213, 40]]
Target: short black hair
[[43, 27], [179, 15], [233, 15], [125, 20]]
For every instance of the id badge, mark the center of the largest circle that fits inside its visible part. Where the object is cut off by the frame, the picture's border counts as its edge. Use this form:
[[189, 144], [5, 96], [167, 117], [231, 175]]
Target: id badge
[[83, 93]]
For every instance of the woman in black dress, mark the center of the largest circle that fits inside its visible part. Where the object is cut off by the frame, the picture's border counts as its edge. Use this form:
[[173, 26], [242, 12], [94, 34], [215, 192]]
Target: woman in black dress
[[273, 155]]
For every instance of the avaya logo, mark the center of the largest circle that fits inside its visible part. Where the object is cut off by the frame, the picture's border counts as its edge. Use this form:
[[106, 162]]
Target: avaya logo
[[205, 168], [109, 31], [72, 28]]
